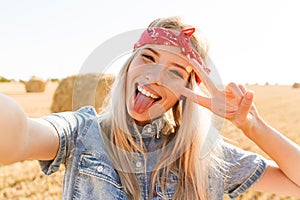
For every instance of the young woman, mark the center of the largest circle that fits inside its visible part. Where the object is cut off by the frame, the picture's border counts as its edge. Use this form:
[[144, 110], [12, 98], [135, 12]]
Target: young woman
[[155, 139]]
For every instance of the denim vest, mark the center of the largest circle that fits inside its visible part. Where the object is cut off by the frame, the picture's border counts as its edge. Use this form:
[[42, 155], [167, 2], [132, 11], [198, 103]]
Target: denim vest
[[90, 173]]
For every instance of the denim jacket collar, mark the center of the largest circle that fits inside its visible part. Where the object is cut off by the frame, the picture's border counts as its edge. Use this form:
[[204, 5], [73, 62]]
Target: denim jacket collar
[[152, 129]]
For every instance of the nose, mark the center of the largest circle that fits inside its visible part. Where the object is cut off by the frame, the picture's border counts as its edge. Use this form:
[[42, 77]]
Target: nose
[[167, 83], [155, 74]]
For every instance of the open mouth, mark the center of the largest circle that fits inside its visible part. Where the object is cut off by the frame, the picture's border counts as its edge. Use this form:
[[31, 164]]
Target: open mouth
[[144, 99]]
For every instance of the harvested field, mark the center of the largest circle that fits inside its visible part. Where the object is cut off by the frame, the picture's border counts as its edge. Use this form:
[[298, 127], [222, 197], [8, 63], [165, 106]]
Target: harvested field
[[277, 104]]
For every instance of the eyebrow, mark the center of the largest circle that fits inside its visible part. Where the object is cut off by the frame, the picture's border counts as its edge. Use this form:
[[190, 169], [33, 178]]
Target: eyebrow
[[156, 53]]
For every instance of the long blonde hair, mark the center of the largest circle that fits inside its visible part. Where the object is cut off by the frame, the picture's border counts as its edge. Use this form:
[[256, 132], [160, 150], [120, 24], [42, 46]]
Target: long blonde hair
[[183, 158]]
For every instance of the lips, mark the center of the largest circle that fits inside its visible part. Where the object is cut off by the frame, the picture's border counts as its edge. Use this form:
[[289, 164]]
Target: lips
[[144, 99]]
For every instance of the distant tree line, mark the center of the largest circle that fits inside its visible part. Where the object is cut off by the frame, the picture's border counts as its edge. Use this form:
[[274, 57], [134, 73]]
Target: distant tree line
[[5, 80]]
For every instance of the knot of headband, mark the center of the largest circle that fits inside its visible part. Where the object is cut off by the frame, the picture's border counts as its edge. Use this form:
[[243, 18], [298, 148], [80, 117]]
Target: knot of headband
[[163, 36]]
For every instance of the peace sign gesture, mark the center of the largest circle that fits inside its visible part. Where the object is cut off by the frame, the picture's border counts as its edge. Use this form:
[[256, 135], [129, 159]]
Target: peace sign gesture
[[234, 103]]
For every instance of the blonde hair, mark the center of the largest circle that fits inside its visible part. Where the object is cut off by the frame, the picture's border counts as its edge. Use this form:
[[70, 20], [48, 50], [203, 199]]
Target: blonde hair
[[183, 158]]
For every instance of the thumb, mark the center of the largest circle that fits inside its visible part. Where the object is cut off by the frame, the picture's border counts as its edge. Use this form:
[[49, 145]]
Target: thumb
[[201, 100]]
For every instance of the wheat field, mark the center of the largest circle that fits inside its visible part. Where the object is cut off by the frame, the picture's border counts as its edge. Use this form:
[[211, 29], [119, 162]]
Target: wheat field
[[24, 180]]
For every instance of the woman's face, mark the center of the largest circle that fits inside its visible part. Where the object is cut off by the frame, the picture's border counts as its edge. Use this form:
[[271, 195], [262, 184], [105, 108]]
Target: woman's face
[[153, 76]]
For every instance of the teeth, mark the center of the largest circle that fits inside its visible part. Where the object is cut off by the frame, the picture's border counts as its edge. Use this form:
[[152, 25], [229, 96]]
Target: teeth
[[146, 93]]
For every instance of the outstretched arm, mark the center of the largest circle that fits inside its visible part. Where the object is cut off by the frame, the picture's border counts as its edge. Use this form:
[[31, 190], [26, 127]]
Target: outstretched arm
[[23, 138], [235, 103]]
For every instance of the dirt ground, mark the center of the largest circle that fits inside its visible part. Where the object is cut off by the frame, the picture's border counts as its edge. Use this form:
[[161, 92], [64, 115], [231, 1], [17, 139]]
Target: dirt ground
[[24, 180]]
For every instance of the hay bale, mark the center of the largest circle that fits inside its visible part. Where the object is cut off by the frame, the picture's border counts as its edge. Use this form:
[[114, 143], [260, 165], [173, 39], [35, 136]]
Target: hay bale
[[35, 85], [296, 85], [76, 91]]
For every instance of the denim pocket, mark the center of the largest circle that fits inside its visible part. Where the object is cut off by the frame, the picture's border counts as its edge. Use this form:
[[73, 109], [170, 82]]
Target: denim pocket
[[170, 188], [100, 167], [97, 179]]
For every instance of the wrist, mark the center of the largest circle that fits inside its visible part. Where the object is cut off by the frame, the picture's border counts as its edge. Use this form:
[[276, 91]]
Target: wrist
[[253, 126]]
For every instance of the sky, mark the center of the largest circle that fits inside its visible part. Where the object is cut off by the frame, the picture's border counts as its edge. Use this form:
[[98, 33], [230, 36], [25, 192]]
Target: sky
[[253, 41]]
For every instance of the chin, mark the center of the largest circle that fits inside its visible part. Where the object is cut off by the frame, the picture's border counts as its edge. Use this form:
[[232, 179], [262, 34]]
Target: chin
[[145, 117]]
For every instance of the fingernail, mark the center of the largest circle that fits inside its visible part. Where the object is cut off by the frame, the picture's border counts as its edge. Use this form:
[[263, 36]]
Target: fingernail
[[249, 95], [188, 69]]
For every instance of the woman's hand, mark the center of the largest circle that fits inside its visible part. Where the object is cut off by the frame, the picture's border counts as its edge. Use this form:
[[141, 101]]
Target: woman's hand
[[234, 103]]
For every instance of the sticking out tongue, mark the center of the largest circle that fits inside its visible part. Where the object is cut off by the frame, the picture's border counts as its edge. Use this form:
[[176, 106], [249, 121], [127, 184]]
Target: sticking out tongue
[[142, 103]]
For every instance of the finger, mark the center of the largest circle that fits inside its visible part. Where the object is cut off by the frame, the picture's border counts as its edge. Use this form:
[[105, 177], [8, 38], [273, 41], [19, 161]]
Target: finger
[[245, 106], [201, 100], [235, 90], [243, 89], [253, 109], [204, 76]]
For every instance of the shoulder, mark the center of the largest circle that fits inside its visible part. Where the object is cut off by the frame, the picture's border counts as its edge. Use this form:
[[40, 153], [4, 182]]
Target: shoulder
[[239, 158], [243, 169], [82, 114], [87, 111]]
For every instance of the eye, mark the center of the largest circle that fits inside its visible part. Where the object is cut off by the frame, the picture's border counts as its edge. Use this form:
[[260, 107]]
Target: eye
[[148, 57], [177, 73]]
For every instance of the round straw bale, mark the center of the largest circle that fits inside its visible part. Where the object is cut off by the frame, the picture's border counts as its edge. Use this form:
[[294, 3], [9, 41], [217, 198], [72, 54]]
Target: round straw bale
[[76, 91], [35, 85], [296, 85]]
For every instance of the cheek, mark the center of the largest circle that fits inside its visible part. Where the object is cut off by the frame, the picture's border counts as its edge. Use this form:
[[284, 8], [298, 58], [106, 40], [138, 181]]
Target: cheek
[[136, 71], [135, 65], [130, 93], [171, 101], [172, 93]]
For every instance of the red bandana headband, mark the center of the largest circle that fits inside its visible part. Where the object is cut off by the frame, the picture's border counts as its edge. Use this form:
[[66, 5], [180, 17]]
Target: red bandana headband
[[167, 37]]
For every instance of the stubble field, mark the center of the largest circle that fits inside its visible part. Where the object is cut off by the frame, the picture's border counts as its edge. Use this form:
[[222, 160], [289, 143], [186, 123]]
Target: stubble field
[[279, 106]]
